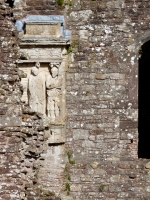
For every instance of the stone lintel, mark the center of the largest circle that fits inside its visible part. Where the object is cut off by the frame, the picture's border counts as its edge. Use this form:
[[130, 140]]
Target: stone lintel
[[44, 42], [41, 61], [42, 23]]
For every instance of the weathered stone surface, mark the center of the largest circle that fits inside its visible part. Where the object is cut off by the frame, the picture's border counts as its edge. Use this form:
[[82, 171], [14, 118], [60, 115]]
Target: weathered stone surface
[[95, 165], [115, 178], [64, 197], [10, 121], [147, 166], [19, 3], [100, 172], [147, 189]]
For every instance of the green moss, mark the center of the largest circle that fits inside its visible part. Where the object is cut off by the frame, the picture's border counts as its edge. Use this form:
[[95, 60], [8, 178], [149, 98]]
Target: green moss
[[72, 162], [69, 49], [37, 172], [88, 64], [69, 155], [60, 2], [73, 45], [69, 178], [87, 92], [70, 3], [67, 186], [101, 188]]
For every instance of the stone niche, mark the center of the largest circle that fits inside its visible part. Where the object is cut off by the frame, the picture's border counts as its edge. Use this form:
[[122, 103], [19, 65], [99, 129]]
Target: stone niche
[[44, 62]]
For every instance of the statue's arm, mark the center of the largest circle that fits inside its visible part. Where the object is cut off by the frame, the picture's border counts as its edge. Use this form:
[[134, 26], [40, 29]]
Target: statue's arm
[[50, 83], [59, 84]]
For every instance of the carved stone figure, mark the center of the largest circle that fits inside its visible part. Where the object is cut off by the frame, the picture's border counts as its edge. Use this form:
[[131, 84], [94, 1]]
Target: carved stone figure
[[37, 97], [53, 85]]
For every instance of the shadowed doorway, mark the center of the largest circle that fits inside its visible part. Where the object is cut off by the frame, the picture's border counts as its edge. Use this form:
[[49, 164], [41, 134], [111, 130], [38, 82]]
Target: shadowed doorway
[[144, 101]]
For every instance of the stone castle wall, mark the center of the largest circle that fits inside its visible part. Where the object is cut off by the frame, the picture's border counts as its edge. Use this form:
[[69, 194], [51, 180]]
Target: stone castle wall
[[101, 100]]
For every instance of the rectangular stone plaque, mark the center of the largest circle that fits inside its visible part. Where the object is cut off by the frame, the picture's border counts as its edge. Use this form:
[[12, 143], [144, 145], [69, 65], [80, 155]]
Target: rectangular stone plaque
[[43, 30]]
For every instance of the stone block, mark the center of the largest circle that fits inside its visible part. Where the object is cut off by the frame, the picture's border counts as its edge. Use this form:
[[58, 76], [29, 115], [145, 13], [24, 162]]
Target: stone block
[[128, 124], [80, 134], [101, 76], [147, 189], [95, 165], [10, 121], [83, 34], [64, 197], [147, 166], [115, 178], [88, 144], [19, 3], [100, 172], [55, 135]]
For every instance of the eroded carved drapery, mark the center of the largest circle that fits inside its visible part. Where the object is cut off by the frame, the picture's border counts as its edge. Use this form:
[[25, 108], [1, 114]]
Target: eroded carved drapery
[[44, 61], [53, 90], [36, 88]]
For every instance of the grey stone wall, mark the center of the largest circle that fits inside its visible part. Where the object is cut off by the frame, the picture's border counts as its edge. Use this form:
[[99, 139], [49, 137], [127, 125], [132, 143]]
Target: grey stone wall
[[10, 110], [102, 103]]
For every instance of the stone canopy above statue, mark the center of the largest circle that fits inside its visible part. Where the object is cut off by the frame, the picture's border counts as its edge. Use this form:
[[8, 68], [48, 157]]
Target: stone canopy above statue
[[43, 28]]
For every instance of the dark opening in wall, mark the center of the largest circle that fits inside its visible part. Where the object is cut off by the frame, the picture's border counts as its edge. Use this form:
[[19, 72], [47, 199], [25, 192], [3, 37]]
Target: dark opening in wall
[[144, 101], [10, 2]]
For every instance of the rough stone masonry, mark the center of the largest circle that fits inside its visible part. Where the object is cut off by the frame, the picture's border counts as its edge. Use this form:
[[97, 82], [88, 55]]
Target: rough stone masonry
[[99, 158]]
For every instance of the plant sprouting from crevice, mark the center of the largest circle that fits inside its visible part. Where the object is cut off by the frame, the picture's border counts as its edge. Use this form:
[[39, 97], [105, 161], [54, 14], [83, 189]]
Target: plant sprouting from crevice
[[73, 45], [67, 186], [37, 172], [69, 178], [69, 158]]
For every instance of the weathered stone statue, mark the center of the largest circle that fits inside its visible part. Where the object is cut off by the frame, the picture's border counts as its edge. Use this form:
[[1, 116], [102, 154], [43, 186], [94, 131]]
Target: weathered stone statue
[[53, 85], [37, 97]]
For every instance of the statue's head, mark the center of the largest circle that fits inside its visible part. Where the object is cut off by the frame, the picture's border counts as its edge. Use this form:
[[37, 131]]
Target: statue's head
[[35, 70], [37, 64], [54, 69], [54, 72]]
